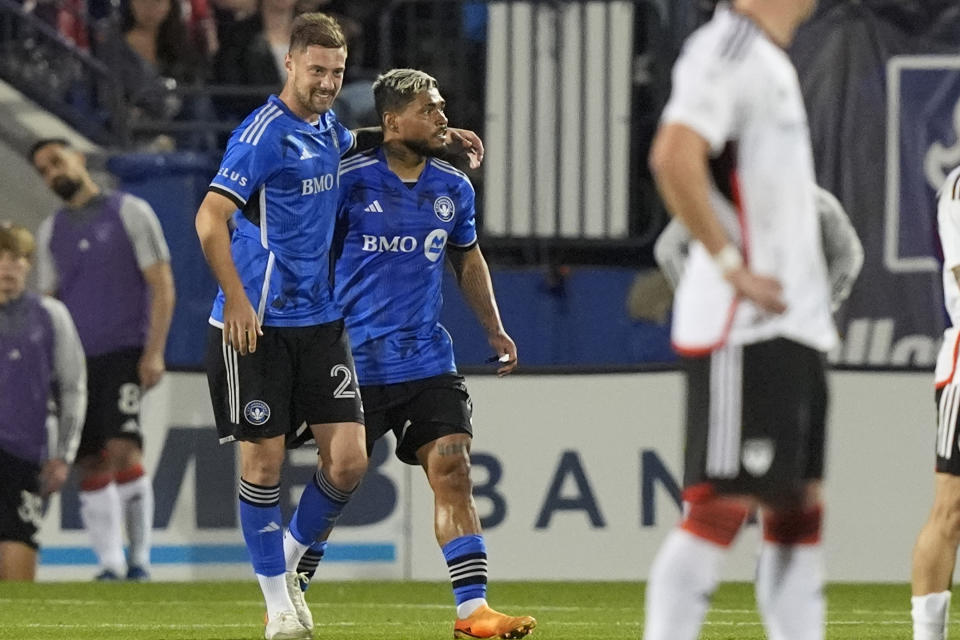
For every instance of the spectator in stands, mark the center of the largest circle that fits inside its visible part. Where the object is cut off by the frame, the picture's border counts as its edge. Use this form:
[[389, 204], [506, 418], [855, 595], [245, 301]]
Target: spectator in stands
[[361, 22], [150, 51], [201, 26], [252, 52], [40, 352], [68, 17], [228, 12]]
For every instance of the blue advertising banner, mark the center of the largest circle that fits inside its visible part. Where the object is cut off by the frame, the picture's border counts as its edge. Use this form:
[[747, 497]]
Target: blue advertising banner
[[923, 117], [881, 81]]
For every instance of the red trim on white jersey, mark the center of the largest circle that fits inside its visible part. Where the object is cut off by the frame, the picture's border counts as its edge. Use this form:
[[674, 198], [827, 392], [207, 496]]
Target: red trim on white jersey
[[698, 352], [939, 384]]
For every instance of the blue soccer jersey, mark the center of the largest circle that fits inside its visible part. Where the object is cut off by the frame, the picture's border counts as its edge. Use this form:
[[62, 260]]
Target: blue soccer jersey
[[389, 275], [281, 172]]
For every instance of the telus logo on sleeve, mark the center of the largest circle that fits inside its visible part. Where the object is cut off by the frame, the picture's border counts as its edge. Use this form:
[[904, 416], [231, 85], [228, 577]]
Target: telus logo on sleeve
[[233, 176]]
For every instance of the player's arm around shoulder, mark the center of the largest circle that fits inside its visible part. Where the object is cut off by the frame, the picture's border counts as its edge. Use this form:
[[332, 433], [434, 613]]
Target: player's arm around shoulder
[[473, 276], [461, 144], [465, 144]]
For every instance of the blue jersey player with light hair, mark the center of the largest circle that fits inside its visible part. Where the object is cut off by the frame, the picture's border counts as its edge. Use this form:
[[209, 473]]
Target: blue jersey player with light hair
[[277, 342], [278, 352], [403, 212]]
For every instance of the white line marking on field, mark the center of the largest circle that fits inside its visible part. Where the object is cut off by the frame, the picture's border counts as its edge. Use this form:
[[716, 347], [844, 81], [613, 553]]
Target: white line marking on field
[[546, 624], [313, 603]]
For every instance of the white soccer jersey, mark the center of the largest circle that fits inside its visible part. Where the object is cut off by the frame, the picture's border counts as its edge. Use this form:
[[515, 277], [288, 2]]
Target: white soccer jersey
[[948, 225], [739, 91]]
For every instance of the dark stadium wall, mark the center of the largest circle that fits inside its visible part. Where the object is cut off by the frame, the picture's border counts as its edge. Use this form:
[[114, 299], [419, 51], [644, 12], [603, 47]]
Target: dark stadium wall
[[877, 120]]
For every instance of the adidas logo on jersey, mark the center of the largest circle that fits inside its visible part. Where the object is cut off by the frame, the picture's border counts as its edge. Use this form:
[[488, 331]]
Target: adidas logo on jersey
[[305, 154], [374, 207]]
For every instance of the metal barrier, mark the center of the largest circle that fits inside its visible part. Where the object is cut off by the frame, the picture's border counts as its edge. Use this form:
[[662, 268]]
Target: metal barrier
[[38, 61], [553, 86], [43, 65]]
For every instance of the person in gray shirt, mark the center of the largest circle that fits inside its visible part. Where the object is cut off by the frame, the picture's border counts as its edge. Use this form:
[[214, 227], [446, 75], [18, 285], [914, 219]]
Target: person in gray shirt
[[841, 248], [40, 354], [103, 254]]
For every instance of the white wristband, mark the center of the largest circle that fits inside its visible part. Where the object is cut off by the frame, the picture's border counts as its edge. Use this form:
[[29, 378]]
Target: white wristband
[[728, 259]]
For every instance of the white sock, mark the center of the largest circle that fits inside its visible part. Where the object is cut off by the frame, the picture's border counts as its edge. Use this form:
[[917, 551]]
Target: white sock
[[682, 578], [100, 512], [136, 499], [275, 594], [293, 550], [789, 590], [929, 614], [466, 608]]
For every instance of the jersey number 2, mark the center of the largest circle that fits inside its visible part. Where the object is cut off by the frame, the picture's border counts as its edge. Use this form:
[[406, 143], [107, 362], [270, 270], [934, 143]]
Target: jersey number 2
[[343, 390]]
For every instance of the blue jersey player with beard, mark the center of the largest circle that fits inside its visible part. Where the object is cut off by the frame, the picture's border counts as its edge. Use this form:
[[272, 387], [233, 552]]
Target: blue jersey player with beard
[[403, 212]]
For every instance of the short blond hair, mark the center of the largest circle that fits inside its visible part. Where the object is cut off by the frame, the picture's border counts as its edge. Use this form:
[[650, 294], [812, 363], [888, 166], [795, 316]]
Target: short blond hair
[[395, 89], [17, 240]]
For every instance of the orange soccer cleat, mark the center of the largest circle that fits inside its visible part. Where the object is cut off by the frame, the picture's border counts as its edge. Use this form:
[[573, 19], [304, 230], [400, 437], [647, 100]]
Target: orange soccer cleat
[[487, 623]]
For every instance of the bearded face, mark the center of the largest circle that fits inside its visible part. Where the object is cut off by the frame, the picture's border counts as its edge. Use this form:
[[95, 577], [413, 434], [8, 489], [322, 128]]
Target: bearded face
[[317, 75], [62, 168], [65, 186]]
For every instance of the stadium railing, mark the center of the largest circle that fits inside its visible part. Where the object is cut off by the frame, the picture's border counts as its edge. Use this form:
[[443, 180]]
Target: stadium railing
[[45, 66], [565, 94], [50, 69]]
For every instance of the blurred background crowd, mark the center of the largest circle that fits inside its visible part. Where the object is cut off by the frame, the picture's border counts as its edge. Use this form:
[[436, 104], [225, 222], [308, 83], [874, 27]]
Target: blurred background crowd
[[137, 68]]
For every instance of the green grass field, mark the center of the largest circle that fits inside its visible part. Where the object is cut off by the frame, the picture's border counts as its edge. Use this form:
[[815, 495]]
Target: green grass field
[[404, 611]]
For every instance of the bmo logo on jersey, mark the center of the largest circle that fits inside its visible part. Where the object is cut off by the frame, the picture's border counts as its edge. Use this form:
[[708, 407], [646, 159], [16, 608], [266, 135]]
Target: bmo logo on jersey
[[432, 246], [394, 244], [317, 185]]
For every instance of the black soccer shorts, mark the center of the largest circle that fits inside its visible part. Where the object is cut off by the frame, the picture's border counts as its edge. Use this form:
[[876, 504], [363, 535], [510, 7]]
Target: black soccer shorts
[[756, 419], [948, 445], [418, 412], [113, 400], [296, 374], [21, 508]]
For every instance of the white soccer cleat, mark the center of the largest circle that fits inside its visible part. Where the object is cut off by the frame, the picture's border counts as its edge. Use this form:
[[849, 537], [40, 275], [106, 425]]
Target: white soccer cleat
[[286, 626], [296, 597]]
